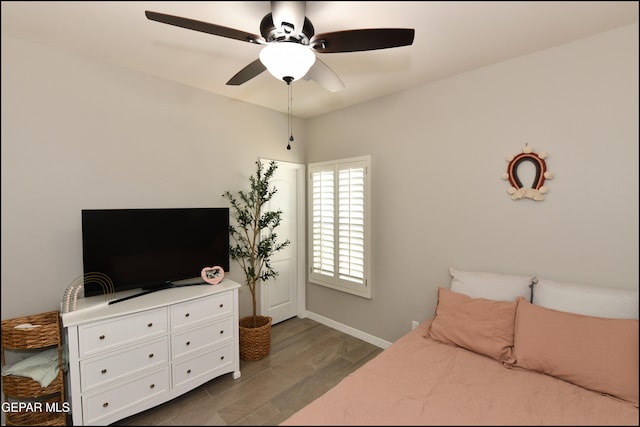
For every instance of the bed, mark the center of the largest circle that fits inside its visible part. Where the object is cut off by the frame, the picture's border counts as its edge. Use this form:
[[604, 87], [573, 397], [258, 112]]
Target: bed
[[500, 351]]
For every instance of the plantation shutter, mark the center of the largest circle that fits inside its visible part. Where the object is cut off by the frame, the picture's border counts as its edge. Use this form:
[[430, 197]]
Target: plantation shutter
[[323, 219], [351, 223], [338, 220]]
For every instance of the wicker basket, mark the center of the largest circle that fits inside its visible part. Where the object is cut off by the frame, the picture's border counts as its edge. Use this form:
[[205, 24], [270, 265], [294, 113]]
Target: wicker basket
[[36, 419], [15, 386], [45, 335], [255, 343]]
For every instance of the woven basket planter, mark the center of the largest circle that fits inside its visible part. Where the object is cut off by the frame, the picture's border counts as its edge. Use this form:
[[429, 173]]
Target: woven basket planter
[[255, 343]]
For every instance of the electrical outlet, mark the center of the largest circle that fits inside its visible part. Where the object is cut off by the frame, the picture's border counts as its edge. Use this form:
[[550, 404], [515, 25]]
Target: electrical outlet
[[414, 324]]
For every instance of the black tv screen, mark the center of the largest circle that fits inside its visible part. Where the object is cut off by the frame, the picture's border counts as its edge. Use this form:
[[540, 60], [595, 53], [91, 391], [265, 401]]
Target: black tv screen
[[152, 248]]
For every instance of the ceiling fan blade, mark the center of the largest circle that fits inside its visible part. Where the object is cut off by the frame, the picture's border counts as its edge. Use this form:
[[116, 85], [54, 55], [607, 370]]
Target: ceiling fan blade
[[289, 16], [324, 76], [205, 27], [359, 40], [247, 73]]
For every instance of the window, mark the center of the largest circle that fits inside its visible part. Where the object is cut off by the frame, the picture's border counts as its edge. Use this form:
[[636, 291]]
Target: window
[[339, 221]]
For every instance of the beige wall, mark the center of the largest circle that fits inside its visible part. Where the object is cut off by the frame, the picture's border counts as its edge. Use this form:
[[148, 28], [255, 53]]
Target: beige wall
[[438, 153], [81, 134]]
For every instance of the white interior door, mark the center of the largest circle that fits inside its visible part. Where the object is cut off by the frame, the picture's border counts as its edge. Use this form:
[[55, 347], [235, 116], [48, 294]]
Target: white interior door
[[282, 297]]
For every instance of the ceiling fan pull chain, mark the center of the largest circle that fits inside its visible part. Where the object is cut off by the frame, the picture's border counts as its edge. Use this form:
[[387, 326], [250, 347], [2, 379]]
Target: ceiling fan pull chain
[[290, 119]]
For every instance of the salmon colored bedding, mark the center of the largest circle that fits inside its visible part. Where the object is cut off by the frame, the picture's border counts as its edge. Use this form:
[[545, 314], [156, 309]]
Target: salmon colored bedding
[[418, 381]]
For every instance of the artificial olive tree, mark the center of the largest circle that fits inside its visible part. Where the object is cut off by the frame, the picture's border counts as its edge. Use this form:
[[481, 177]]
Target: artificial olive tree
[[252, 230]]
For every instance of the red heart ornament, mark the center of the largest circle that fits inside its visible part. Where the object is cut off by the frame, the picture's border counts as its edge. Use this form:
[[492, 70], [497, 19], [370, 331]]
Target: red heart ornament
[[212, 275]]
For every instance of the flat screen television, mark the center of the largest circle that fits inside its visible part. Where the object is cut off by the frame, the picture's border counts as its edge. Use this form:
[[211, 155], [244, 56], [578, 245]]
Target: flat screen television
[[151, 249]]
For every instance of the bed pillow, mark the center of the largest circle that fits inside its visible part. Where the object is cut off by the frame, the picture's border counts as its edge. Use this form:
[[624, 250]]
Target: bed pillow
[[596, 353], [591, 300], [495, 286], [481, 325]]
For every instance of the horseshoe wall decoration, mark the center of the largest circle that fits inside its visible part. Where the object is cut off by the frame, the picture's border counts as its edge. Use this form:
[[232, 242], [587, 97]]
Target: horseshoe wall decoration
[[537, 189]]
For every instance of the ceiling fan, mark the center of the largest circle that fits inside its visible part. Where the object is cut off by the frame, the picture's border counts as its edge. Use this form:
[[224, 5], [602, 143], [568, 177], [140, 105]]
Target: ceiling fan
[[290, 43]]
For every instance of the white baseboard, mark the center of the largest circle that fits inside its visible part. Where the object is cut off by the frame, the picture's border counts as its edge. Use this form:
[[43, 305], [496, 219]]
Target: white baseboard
[[347, 329]]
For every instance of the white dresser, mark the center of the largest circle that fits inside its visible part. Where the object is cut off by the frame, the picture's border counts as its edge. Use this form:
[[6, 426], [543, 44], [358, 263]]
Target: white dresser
[[129, 356]]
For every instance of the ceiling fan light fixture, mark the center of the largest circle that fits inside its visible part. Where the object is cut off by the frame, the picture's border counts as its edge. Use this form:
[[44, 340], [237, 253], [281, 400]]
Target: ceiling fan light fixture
[[287, 59]]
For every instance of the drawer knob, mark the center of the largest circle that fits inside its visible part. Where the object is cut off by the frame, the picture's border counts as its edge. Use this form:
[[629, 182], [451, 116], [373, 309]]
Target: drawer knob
[[221, 305], [221, 357], [150, 324], [151, 355], [188, 371], [221, 331], [152, 386], [105, 404], [104, 371], [102, 337], [188, 342], [186, 315]]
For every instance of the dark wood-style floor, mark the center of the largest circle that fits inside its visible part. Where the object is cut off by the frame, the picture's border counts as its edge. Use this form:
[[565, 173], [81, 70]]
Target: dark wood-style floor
[[306, 360]]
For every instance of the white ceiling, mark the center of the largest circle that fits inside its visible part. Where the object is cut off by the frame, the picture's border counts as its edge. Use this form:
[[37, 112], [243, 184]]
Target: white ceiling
[[450, 38]]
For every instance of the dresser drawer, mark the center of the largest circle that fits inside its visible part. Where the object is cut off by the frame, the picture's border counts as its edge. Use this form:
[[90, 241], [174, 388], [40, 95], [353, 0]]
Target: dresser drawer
[[195, 339], [98, 337], [100, 405], [98, 371], [202, 365], [191, 312]]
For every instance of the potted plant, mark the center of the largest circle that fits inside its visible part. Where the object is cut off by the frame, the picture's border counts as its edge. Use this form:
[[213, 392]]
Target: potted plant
[[253, 242]]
